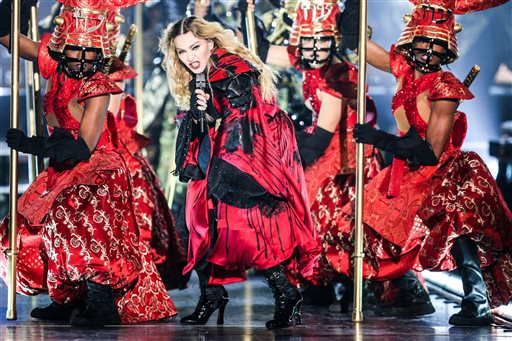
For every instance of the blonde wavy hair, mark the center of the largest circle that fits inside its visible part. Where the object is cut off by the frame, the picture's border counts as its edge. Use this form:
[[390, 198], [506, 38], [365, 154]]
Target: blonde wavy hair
[[178, 74]]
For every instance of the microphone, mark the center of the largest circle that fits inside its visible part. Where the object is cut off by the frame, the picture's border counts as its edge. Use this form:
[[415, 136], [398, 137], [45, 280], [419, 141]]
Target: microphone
[[201, 84]]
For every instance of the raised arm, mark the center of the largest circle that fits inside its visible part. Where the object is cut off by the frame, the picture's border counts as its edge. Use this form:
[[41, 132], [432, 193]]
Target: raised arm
[[377, 56], [28, 47], [278, 56]]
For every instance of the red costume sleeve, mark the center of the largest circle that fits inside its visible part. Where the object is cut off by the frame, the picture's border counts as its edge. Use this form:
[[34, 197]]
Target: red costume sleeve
[[47, 65], [449, 87], [99, 84]]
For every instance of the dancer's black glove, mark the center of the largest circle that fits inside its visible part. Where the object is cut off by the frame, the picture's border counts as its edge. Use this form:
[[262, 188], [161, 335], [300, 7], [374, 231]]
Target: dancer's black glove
[[35, 145], [5, 16], [411, 147], [60, 146], [313, 146]]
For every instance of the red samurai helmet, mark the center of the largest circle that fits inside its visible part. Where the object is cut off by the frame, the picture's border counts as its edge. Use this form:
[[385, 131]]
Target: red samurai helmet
[[314, 32], [315, 18], [85, 25], [433, 21]]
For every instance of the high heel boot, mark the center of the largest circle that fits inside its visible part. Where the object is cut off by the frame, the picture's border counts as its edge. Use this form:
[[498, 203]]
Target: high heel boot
[[287, 299], [100, 309], [475, 310], [212, 297]]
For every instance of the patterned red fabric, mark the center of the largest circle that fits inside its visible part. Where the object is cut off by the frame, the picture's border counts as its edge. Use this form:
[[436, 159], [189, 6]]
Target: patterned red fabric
[[246, 238], [435, 205], [330, 180], [103, 5], [153, 216], [76, 223]]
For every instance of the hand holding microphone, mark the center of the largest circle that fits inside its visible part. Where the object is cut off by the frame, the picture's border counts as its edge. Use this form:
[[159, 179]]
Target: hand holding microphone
[[201, 101]]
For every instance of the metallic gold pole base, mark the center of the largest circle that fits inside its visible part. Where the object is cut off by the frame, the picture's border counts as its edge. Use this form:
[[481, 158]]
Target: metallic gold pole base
[[357, 316], [11, 313]]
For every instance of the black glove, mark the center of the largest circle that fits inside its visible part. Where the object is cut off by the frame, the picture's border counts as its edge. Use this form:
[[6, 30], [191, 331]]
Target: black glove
[[262, 43], [5, 16], [17, 140], [348, 24], [60, 146], [313, 146], [411, 147]]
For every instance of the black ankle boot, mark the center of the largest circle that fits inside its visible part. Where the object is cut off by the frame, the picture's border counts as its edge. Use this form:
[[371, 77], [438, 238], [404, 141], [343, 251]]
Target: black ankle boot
[[412, 298], [287, 299], [101, 307], [475, 310], [212, 297], [58, 312]]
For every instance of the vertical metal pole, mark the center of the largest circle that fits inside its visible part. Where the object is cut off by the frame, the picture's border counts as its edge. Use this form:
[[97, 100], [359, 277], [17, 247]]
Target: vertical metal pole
[[12, 253], [139, 67], [251, 29], [357, 314], [36, 77], [33, 96]]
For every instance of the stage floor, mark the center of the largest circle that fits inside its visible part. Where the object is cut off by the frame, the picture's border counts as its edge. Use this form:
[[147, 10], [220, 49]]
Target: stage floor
[[251, 304]]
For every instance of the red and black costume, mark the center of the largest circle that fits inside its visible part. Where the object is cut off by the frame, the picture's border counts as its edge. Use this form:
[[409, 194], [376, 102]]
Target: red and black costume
[[154, 218], [77, 234], [247, 160]]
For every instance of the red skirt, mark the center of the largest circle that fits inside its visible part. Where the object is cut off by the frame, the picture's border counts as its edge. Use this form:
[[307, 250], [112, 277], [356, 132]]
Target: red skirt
[[77, 224], [154, 218], [246, 239], [416, 228]]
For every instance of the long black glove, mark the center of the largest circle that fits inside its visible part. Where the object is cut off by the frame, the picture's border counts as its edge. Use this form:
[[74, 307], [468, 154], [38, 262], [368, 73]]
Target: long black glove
[[348, 24], [411, 147], [35, 145], [60, 146], [313, 146], [261, 34], [5, 16]]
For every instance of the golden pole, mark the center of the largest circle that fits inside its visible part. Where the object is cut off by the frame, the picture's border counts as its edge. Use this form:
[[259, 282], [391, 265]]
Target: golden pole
[[33, 91], [12, 252], [139, 67], [357, 314], [251, 28], [34, 31]]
